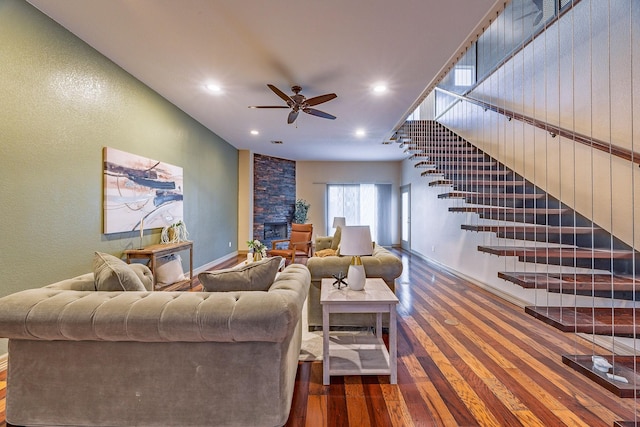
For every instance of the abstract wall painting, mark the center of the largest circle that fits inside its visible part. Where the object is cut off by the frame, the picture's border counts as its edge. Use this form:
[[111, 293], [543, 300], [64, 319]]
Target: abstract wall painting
[[140, 193]]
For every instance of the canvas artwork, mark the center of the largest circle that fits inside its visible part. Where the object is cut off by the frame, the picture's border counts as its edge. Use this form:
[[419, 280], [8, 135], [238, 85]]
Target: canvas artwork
[[140, 193]]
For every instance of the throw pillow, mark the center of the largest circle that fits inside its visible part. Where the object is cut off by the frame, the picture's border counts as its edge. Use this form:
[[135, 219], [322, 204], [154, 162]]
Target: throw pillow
[[255, 276], [169, 270], [113, 274], [324, 252]]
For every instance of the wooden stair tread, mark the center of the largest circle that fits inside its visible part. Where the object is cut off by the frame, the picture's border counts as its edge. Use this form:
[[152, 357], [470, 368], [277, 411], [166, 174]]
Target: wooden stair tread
[[590, 320], [508, 210], [467, 164], [440, 182], [557, 252], [484, 183], [622, 365], [472, 172], [456, 195], [431, 172], [508, 196], [541, 229], [577, 282]]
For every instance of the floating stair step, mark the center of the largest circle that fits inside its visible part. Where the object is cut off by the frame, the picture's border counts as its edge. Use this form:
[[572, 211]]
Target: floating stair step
[[484, 183], [493, 210], [468, 164], [623, 366], [527, 229], [567, 235], [481, 172], [431, 172], [600, 285], [424, 164], [437, 156], [439, 182], [589, 320], [564, 252], [457, 195], [507, 196]]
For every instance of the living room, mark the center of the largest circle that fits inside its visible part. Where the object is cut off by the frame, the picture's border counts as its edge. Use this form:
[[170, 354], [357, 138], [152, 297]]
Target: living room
[[63, 102]]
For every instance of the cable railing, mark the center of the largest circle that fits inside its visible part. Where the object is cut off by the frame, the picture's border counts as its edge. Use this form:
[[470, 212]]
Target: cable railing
[[553, 130]]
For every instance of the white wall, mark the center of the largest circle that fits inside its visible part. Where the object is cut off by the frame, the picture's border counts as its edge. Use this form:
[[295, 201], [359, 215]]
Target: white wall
[[312, 177]]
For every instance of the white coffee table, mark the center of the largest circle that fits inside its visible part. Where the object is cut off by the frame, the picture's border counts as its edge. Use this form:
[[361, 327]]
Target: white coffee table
[[359, 354]]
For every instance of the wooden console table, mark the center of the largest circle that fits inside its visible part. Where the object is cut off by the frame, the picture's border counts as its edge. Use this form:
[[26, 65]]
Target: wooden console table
[[153, 252]]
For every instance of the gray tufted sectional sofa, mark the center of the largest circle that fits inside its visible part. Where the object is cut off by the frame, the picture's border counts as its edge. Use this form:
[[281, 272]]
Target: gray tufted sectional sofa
[[94, 358]]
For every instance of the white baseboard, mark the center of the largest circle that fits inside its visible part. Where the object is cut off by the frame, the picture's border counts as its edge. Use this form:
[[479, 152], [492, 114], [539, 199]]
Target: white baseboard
[[215, 262]]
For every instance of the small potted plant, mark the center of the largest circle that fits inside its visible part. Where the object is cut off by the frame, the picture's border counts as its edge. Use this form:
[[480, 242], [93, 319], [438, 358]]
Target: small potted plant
[[300, 212], [174, 233], [258, 248]]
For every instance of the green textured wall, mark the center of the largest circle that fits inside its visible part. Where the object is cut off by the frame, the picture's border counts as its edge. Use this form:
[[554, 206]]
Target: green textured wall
[[60, 103]]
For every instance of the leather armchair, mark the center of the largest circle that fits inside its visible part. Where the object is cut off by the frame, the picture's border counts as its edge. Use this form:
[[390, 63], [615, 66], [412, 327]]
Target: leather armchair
[[299, 243]]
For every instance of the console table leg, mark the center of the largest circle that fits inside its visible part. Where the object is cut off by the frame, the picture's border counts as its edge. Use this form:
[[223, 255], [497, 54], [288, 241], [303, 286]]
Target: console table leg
[[393, 345], [325, 345]]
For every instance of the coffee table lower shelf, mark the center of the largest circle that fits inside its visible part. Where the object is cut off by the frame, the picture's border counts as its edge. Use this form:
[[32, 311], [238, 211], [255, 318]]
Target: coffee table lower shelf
[[358, 354]]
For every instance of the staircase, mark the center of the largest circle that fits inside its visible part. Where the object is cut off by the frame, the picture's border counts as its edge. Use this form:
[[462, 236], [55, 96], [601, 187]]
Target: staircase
[[544, 231]]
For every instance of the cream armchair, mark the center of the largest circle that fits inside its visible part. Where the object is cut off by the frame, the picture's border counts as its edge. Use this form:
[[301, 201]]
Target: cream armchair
[[328, 242]]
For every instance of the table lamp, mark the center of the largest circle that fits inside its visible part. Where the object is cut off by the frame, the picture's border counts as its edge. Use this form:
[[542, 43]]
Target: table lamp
[[356, 241], [339, 221]]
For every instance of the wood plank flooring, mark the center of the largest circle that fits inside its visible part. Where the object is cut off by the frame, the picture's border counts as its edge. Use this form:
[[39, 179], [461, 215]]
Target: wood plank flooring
[[465, 358]]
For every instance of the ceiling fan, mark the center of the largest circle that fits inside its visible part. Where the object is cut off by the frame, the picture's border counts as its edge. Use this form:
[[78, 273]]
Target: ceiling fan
[[298, 102]]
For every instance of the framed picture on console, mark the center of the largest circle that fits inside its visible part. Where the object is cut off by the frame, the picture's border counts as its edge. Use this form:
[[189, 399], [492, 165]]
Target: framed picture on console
[[139, 193]]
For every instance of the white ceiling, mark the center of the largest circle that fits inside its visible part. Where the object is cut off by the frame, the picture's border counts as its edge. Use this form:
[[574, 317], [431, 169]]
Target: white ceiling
[[341, 46]]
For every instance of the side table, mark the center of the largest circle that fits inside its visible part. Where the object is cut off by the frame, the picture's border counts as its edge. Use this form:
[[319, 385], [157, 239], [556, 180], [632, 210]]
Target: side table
[[153, 252], [359, 354]]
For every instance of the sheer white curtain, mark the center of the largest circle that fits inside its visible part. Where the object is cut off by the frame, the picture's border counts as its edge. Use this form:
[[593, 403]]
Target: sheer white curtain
[[362, 204]]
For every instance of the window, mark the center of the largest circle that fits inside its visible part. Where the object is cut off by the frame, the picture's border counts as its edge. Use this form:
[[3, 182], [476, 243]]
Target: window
[[361, 204]]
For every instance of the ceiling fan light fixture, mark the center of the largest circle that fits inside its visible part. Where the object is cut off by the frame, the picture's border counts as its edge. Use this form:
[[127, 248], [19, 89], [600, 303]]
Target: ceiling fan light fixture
[[298, 102]]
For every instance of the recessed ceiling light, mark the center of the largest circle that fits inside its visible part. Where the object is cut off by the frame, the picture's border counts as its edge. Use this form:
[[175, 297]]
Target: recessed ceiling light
[[379, 88], [360, 133], [213, 88], [255, 132]]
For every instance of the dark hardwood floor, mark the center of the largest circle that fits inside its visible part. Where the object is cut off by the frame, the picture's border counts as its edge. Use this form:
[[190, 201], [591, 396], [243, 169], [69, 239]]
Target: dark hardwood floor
[[465, 358]]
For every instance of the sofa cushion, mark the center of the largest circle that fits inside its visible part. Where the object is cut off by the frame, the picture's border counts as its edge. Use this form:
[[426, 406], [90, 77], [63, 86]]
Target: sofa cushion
[[113, 274], [255, 276]]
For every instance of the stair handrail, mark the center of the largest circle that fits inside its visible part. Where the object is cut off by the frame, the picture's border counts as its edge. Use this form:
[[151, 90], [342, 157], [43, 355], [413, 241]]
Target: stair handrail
[[553, 130]]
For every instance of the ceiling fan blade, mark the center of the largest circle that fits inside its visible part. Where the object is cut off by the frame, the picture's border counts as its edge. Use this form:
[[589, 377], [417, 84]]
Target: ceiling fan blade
[[319, 113], [293, 115], [268, 106], [320, 99], [281, 94]]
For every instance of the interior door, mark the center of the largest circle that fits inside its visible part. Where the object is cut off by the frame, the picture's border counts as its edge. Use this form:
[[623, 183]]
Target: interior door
[[405, 214]]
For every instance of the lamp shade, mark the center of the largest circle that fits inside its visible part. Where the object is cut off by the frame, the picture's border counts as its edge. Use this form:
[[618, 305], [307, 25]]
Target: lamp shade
[[339, 221], [356, 240]]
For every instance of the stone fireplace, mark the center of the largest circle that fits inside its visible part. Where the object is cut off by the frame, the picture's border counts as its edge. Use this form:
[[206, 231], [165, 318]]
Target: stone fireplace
[[274, 197]]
